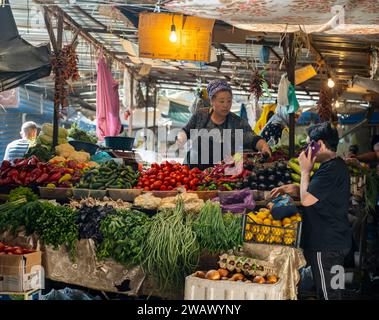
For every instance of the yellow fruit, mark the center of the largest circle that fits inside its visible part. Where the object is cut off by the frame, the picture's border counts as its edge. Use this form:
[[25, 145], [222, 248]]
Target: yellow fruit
[[248, 226], [267, 222], [258, 221], [286, 221], [290, 233], [255, 229], [288, 240], [277, 231], [248, 236], [260, 238], [262, 215], [270, 239], [270, 217], [263, 210], [278, 239], [277, 223], [265, 230], [293, 218], [250, 217]]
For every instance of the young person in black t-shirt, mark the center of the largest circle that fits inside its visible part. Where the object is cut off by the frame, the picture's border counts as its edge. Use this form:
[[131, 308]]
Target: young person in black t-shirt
[[325, 200]]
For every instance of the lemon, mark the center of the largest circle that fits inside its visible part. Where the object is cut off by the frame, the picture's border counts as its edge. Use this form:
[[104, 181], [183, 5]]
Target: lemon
[[277, 223], [248, 236], [270, 217], [248, 227], [293, 218], [277, 231], [267, 222], [255, 229], [258, 221], [260, 238], [270, 239], [290, 232], [278, 239], [262, 215], [289, 240], [265, 230], [286, 221]]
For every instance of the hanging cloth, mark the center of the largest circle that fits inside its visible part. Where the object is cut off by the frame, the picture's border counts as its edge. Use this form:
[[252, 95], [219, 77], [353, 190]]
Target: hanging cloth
[[283, 91], [243, 112], [293, 103], [107, 102]]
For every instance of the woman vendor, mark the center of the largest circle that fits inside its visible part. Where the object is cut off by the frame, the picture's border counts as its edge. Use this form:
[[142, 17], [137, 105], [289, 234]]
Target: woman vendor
[[214, 133]]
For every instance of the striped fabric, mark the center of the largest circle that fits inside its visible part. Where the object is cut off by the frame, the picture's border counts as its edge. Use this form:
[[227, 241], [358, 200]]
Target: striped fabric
[[16, 149]]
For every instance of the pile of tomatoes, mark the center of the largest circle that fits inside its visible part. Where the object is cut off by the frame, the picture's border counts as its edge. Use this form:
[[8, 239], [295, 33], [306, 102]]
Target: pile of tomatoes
[[168, 176], [4, 249]]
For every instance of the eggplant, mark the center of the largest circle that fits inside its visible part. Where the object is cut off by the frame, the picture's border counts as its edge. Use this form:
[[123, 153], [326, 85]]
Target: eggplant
[[262, 187], [287, 176], [261, 172], [253, 177], [271, 186], [289, 181], [281, 166], [280, 183], [271, 178], [253, 186], [270, 171], [261, 178]]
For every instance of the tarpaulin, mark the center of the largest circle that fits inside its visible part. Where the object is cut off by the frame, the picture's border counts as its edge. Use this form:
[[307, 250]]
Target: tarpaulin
[[20, 62], [107, 103]]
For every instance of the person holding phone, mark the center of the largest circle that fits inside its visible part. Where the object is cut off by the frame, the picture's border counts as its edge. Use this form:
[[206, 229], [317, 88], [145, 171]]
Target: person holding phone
[[327, 237]]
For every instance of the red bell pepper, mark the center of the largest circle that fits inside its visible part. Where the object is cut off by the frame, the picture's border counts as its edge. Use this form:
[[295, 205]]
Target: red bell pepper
[[54, 177], [35, 174], [21, 163], [42, 178], [12, 173], [6, 181], [33, 161]]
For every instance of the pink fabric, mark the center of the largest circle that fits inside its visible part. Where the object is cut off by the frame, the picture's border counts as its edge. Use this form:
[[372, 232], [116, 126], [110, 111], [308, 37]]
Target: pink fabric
[[107, 103]]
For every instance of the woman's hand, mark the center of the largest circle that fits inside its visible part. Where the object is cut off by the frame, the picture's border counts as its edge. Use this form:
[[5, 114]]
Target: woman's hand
[[290, 189], [263, 147]]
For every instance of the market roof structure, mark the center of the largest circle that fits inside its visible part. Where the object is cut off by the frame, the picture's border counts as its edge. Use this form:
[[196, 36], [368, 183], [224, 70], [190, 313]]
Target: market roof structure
[[113, 26]]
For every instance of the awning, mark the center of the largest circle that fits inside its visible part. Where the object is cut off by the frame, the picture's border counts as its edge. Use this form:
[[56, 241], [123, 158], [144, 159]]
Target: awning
[[20, 62]]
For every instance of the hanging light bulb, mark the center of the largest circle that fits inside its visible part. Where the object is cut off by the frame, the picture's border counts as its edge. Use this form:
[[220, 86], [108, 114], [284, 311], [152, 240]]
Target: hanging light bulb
[[331, 83], [173, 37], [337, 104]]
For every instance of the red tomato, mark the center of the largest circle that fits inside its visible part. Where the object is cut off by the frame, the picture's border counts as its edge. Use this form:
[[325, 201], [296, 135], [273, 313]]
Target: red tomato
[[18, 251], [2, 246], [151, 180], [146, 189], [170, 188], [163, 188], [153, 176], [185, 180], [8, 249], [2, 252], [160, 176], [173, 182], [146, 183]]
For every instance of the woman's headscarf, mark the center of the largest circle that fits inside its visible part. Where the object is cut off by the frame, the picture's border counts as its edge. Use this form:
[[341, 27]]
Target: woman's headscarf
[[216, 86]]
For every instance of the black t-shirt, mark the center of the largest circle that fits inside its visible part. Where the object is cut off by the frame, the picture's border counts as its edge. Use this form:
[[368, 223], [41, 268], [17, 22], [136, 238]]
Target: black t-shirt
[[326, 226]]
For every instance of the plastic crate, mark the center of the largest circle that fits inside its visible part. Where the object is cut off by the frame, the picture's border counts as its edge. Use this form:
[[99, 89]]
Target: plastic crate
[[203, 289], [265, 234]]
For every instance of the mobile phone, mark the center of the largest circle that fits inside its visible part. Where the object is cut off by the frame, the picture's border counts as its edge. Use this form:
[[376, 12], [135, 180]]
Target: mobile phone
[[315, 147]]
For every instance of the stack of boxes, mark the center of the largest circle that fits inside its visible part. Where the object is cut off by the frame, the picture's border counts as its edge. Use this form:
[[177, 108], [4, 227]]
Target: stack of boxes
[[21, 276]]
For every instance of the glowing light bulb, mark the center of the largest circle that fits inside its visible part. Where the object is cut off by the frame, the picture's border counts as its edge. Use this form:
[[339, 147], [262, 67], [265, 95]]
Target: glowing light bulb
[[173, 38], [331, 83], [337, 104]]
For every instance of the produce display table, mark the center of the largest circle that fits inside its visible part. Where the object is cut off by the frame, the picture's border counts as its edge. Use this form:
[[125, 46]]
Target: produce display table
[[86, 270]]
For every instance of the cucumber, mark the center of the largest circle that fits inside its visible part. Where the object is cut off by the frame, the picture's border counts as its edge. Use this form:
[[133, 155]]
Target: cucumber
[[97, 186]]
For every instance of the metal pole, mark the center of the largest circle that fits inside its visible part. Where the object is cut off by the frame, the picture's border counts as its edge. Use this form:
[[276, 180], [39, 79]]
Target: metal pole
[[291, 77], [146, 113]]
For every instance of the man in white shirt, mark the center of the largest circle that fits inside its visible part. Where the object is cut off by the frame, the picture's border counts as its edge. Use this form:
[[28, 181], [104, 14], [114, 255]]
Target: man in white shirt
[[18, 148]]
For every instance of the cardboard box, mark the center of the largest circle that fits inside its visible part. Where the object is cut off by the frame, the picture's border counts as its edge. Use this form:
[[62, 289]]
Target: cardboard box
[[20, 273], [29, 295]]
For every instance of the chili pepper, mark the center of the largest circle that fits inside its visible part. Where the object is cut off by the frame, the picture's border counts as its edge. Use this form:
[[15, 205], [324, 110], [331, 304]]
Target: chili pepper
[[4, 173], [33, 161], [55, 177], [5, 165], [12, 173], [6, 181], [42, 178], [21, 163], [27, 179], [35, 174]]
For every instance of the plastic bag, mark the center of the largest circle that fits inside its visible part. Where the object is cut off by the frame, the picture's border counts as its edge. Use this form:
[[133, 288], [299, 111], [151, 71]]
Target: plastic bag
[[283, 207], [237, 202], [68, 294]]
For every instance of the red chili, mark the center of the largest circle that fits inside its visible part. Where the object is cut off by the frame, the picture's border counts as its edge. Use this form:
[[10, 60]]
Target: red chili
[[42, 178]]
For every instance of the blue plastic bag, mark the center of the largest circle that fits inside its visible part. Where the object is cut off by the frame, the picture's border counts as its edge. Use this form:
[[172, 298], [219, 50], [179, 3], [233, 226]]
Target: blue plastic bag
[[283, 207]]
